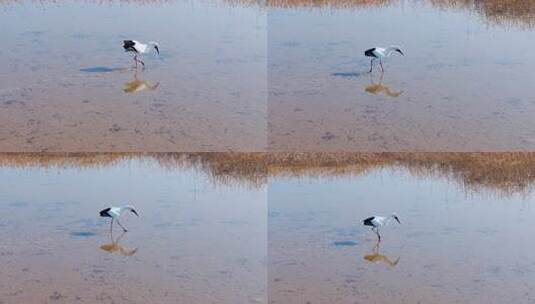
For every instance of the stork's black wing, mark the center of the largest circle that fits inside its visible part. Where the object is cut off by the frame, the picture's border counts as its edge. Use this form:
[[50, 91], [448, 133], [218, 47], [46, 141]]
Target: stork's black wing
[[129, 45], [368, 221], [370, 53], [104, 213]]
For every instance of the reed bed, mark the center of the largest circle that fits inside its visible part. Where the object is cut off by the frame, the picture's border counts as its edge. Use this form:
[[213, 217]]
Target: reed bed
[[61, 160], [56, 2], [328, 3], [506, 173], [499, 12]]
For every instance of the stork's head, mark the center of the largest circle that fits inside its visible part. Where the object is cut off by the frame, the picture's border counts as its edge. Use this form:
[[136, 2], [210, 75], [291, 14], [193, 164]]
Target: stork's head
[[131, 209], [394, 216], [156, 46], [395, 48]]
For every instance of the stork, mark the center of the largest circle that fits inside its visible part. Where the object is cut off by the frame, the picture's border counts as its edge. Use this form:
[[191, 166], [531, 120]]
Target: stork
[[377, 222], [115, 213], [380, 53], [138, 48]]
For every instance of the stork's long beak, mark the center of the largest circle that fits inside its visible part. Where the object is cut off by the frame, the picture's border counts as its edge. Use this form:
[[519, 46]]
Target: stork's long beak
[[134, 212], [398, 220], [401, 53], [157, 50]]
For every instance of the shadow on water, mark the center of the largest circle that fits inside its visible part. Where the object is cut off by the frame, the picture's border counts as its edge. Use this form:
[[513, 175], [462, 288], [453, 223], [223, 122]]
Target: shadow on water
[[115, 247], [101, 69], [377, 257], [349, 74], [82, 234], [344, 243]]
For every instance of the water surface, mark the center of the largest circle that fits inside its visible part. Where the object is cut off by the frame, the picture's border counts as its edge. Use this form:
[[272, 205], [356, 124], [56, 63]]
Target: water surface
[[452, 246], [203, 234], [195, 241], [67, 85], [464, 84]]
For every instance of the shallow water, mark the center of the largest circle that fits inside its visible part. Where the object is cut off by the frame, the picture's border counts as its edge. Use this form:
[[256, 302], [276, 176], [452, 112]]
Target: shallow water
[[67, 85], [284, 75], [451, 247], [464, 84], [203, 234], [195, 241]]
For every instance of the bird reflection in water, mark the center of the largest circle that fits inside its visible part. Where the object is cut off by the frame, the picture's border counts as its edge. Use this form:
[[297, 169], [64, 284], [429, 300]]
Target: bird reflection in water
[[138, 85], [377, 88], [115, 247], [377, 257]]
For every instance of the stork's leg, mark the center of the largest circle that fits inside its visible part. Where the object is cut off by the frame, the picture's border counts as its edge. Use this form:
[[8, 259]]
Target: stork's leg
[[139, 60], [111, 226], [119, 238], [378, 235], [124, 229], [381, 63], [371, 65], [376, 230], [376, 247], [135, 60]]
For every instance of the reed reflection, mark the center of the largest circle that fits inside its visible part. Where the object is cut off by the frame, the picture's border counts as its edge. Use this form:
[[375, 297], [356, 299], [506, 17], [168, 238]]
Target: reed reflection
[[377, 257], [378, 88], [115, 247]]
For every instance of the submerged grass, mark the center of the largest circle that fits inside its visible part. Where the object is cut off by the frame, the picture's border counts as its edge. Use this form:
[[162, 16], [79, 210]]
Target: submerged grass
[[505, 173]]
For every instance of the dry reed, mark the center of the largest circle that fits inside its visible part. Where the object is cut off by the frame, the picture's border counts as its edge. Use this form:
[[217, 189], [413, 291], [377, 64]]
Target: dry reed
[[502, 172]]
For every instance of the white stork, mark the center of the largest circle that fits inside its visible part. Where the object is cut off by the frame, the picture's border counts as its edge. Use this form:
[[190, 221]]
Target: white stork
[[379, 221], [380, 53], [115, 213], [139, 48]]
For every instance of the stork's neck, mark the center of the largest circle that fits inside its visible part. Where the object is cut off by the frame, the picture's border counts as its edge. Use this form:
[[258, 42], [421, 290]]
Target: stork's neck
[[389, 50], [150, 46], [125, 208], [389, 220]]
